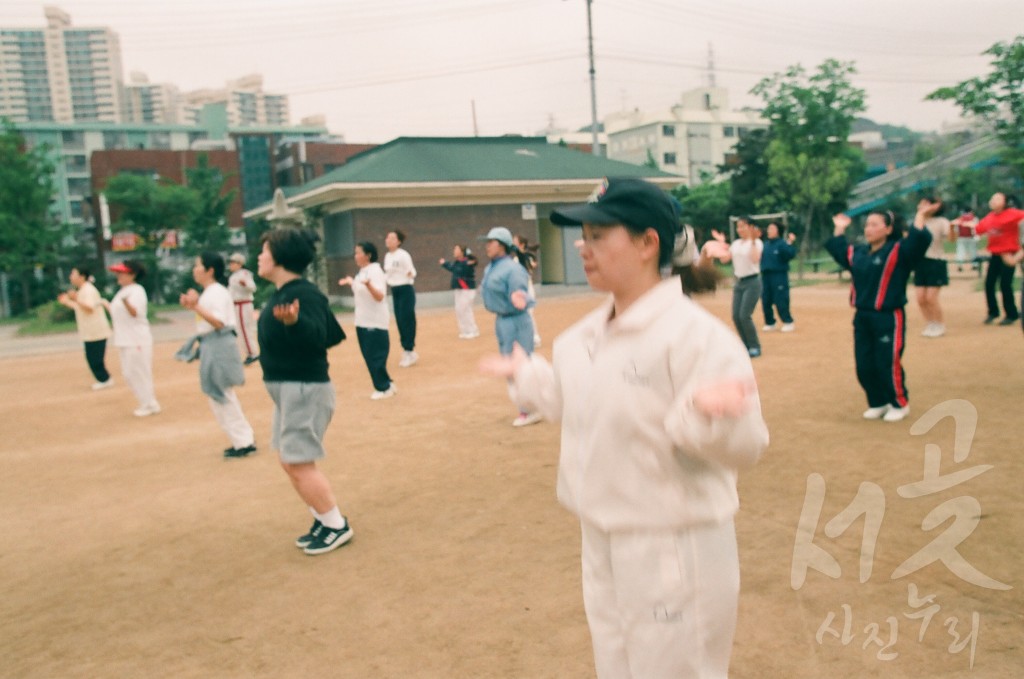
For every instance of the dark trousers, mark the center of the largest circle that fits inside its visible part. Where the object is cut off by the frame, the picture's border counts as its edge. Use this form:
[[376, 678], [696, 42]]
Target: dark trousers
[[878, 340], [375, 345], [775, 292], [745, 294], [1001, 275], [94, 355], [405, 315]]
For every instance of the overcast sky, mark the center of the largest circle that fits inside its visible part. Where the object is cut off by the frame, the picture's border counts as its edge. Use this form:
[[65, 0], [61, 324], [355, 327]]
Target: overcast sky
[[378, 69]]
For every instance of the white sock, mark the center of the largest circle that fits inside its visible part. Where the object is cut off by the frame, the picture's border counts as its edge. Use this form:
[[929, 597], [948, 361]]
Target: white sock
[[332, 519]]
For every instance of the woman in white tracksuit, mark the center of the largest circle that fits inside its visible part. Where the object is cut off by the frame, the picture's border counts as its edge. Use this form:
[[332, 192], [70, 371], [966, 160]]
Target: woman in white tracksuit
[[132, 336], [658, 411]]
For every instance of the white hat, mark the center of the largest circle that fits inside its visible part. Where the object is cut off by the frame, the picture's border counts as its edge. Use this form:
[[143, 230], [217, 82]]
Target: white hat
[[500, 234], [237, 257]]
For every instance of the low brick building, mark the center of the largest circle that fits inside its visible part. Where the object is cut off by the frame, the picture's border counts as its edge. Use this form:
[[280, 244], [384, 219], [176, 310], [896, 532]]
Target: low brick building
[[447, 191]]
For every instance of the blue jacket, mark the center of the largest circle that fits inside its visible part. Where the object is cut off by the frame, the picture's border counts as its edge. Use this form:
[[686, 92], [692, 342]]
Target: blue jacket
[[776, 255], [880, 278]]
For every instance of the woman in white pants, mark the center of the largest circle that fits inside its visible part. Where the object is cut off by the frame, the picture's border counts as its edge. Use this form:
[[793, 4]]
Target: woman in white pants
[[220, 366], [132, 337], [658, 410], [463, 284]]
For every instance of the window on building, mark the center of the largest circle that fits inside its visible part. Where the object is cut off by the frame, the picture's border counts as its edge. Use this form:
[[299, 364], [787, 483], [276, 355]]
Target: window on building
[[741, 132], [73, 139], [728, 131], [668, 130], [669, 159]]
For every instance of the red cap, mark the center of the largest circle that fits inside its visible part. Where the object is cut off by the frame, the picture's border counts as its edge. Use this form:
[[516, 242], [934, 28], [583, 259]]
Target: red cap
[[121, 268]]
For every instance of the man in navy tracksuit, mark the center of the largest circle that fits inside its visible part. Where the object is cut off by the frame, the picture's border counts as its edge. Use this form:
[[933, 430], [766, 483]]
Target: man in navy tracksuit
[[775, 277], [880, 269]]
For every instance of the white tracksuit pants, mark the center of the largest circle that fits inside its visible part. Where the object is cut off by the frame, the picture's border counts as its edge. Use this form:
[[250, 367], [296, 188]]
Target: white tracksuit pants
[[464, 312], [232, 420], [137, 368], [661, 603], [246, 329]]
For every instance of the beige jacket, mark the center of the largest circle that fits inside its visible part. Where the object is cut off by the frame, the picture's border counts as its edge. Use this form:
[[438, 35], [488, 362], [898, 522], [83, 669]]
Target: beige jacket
[[635, 454]]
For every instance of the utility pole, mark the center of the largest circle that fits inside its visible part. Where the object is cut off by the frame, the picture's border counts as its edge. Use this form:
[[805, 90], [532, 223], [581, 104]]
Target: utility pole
[[595, 148]]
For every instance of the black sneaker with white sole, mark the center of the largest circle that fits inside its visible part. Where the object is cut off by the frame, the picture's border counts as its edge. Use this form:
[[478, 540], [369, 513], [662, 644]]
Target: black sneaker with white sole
[[240, 452], [303, 541], [327, 539]]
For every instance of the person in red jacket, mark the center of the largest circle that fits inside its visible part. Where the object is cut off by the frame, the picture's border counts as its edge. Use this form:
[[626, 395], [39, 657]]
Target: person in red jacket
[[1002, 225]]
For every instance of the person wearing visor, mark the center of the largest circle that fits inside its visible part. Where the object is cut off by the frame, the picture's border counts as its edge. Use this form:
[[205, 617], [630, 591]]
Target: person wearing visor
[[504, 289], [659, 411]]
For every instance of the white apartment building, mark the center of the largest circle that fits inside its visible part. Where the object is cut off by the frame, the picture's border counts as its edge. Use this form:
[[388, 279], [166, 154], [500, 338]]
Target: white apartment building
[[690, 139], [157, 103], [244, 100], [61, 73]]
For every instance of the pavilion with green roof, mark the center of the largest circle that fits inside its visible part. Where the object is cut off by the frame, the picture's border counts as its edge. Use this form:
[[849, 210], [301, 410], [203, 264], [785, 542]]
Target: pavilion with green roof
[[451, 190]]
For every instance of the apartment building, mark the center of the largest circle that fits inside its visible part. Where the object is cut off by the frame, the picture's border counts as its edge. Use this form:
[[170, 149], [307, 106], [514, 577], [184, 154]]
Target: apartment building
[[690, 139], [61, 73]]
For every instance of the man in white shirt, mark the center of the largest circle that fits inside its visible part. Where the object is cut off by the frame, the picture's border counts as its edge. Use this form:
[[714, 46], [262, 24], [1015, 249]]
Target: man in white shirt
[[242, 288], [400, 275]]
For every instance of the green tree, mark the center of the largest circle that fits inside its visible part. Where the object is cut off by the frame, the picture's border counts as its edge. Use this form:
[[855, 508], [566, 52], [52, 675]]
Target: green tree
[[705, 206], [997, 98], [748, 175], [811, 165], [208, 227], [28, 234], [150, 209]]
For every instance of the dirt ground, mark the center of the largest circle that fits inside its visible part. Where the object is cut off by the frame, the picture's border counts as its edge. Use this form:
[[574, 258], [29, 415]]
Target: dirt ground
[[130, 548]]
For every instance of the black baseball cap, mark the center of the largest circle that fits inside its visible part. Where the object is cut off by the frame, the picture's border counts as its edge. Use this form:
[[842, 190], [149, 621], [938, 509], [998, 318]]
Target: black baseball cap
[[634, 203]]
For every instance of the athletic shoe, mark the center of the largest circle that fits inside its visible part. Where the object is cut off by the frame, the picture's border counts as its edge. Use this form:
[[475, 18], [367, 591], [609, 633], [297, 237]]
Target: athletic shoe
[[769, 328], [240, 452], [754, 352], [303, 541], [934, 330], [989, 320], [463, 335], [388, 393], [896, 414], [251, 359], [1009, 321], [326, 539], [97, 386], [788, 327], [473, 335], [876, 413], [526, 419], [146, 411]]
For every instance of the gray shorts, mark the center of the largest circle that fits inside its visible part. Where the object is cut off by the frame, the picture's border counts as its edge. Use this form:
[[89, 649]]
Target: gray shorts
[[302, 411]]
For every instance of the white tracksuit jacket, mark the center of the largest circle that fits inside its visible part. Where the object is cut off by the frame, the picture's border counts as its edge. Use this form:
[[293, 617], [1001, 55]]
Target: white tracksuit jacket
[[635, 454]]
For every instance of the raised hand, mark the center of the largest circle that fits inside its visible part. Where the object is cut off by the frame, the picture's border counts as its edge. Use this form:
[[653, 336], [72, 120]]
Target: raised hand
[[839, 223]]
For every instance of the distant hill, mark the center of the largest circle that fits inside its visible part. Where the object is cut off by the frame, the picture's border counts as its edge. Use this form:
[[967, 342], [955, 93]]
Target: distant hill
[[890, 133]]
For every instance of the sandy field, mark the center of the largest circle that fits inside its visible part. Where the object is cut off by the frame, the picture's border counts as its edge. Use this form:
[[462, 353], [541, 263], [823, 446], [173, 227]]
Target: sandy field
[[130, 548]]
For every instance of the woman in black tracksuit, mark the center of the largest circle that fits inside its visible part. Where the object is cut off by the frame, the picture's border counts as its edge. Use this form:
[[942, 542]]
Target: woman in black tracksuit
[[880, 269]]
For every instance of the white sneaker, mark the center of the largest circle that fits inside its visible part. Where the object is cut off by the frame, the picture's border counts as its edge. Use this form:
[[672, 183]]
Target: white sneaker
[[526, 419], [378, 395], [788, 327], [876, 413], [473, 335], [897, 414], [408, 358], [934, 330], [146, 411], [769, 328], [97, 386], [940, 330]]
